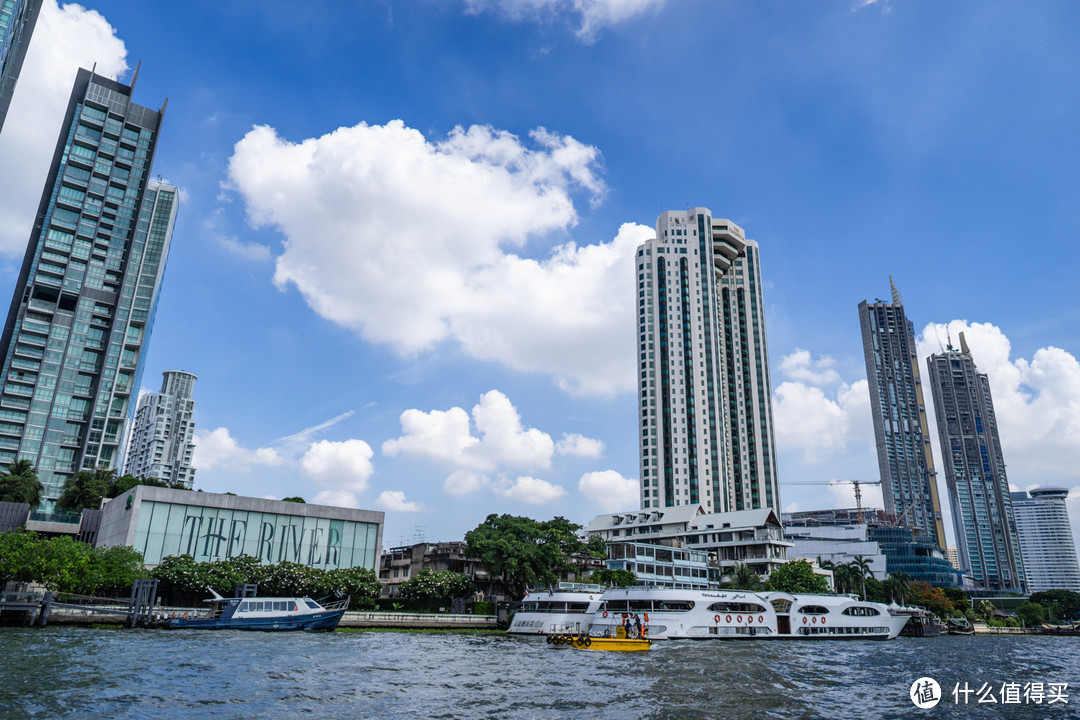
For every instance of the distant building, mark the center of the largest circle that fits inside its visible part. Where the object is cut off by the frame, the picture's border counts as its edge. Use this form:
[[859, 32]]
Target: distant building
[[75, 339], [400, 564], [161, 443], [159, 522], [839, 544], [753, 537], [983, 520], [17, 20], [905, 552], [953, 556], [705, 413], [905, 461], [1046, 540]]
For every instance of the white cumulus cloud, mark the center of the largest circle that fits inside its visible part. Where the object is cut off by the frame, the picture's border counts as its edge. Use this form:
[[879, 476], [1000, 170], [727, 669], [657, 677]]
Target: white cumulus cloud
[[446, 437], [412, 243], [218, 448], [65, 39], [463, 482], [394, 501], [526, 489], [819, 423], [800, 366], [609, 490], [579, 445], [344, 465]]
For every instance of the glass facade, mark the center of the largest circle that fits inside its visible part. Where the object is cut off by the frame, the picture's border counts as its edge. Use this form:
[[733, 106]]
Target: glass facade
[[210, 533], [17, 20], [83, 308], [161, 445], [905, 461]]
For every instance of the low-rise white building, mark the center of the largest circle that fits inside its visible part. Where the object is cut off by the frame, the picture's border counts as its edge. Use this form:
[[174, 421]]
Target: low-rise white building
[[839, 544], [753, 537]]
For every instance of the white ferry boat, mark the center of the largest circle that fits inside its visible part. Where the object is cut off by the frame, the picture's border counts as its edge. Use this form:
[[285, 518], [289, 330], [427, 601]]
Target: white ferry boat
[[569, 608], [734, 614]]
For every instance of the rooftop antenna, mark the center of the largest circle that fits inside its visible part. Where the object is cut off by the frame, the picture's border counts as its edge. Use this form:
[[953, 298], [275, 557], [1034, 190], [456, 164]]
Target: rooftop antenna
[[948, 334], [94, 68], [896, 298], [135, 75]]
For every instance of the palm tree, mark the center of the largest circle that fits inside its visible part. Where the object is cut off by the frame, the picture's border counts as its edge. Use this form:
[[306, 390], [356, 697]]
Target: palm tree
[[743, 578], [861, 566], [86, 488], [843, 576], [20, 484], [900, 582]]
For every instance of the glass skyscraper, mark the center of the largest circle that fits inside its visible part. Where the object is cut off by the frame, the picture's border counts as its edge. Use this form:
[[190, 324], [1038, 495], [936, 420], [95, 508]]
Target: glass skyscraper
[[1046, 540], [705, 412], [987, 543], [17, 20], [905, 461], [83, 308]]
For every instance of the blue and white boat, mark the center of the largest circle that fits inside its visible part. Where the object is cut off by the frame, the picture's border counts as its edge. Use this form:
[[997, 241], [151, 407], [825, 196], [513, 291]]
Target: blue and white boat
[[262, 613]]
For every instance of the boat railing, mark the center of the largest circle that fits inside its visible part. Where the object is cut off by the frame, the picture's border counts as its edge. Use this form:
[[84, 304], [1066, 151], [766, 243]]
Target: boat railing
[[337, 605]]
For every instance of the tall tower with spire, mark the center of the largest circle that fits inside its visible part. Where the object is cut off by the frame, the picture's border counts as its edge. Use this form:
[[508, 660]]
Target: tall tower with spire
[[905, 461]]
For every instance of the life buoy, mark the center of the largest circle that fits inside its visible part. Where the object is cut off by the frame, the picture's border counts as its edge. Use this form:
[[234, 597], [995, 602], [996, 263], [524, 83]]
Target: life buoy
[[822, 621], [814, 620], [761, 618], [716, 618], [605, 613], [727, 619], [646, 616], [749, 618], [738, 618], [588, 641], [804, 621], [549, 640]]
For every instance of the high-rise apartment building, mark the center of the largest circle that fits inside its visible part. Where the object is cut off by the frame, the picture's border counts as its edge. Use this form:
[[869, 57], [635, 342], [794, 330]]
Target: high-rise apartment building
[[17, 20], [905, 460], [161, 438], [1046, 540], [705, 414], [983, 520], [83, 308]]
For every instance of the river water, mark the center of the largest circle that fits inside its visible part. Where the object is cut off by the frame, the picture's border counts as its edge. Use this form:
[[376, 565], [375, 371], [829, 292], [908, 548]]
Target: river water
[[62, 672]]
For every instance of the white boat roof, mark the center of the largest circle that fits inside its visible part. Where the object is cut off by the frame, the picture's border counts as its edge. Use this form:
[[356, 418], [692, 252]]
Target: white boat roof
[[687, 517]]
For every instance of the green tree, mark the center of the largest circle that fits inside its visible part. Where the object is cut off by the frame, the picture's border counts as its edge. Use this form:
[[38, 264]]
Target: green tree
[[17, 551], [618, 578], [958, 598], [294, 499], [986, 609], [20, 484], [797, 576], [120, 485], [1061, 605], [1031, 613], [436, 588], [85, 489], [522, 551], [743, 578], [596, 546]]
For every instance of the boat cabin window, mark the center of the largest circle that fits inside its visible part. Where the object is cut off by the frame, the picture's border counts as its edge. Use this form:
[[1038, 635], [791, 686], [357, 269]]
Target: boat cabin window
[[781, 606], [861, 611], [311, 604], [730, 607], [675, 605], [616, 605], [813, 610]]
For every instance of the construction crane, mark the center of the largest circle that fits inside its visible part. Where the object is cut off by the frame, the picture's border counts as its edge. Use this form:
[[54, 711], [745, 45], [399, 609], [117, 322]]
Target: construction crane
[[856, 483]]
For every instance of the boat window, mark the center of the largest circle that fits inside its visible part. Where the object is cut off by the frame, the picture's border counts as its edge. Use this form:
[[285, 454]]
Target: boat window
[[729, 607], [861, 610], [641, 605], [813, 610], [279, 606], [781, 605], [675, 606], [617, 605], [243, 607], [292, 606], [578, 607], [312, 604]]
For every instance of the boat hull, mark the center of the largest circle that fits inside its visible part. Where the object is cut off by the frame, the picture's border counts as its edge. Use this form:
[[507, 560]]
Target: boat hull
[[327, 620], [614, 644]]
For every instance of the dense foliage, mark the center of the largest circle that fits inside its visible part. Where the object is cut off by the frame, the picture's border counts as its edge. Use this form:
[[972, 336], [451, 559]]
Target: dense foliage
[[434, 589], [744, 578], [86, 488], [1031, 613], [20, 484], [932, 598], [65, 565], [526, 553], [797, 576], [618, 578], [183, 581], [1061, 605]]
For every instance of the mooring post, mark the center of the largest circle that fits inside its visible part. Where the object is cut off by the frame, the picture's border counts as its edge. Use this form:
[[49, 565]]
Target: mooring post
[[46, 606]]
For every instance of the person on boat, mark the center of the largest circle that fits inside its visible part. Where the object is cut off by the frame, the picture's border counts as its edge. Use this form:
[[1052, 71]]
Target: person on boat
[[637, 626]]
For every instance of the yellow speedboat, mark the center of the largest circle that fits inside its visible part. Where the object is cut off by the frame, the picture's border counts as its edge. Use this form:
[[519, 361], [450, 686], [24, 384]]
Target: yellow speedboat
[[619, 643]]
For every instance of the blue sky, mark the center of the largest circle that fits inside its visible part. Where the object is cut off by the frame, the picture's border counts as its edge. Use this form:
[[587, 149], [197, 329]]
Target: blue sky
[[401, 268]]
